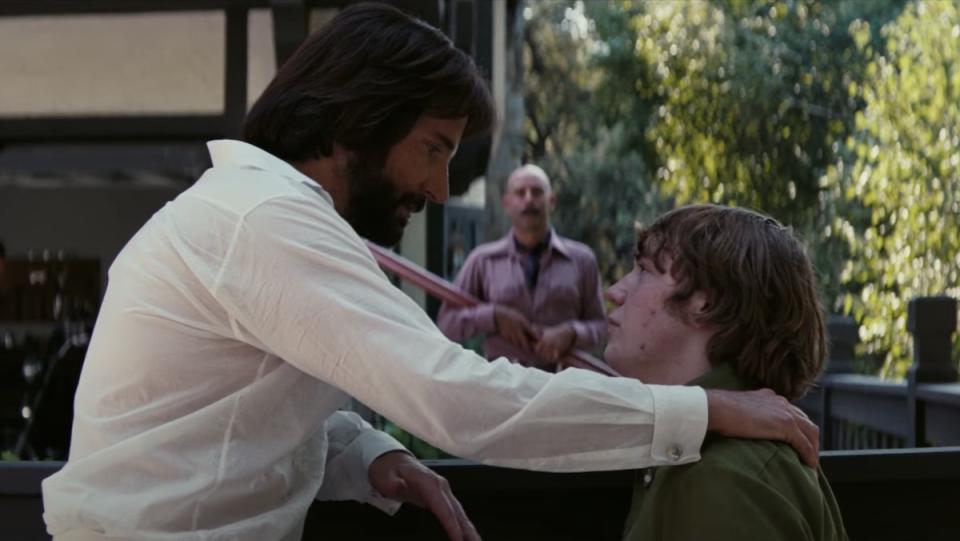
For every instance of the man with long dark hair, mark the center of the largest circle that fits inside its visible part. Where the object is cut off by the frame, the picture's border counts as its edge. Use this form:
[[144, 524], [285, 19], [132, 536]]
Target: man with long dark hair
[[246, 313]]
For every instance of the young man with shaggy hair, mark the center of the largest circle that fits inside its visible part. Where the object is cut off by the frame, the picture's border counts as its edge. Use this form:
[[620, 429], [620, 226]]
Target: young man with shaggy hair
[[724, 298]]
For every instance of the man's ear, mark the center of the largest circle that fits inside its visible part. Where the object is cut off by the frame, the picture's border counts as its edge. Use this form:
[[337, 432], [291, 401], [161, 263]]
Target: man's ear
[[697, 308], [552, 200], [341, 158]]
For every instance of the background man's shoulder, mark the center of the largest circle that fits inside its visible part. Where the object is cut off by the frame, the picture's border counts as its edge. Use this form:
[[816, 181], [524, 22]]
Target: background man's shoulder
[[488, 250], [579, 250]]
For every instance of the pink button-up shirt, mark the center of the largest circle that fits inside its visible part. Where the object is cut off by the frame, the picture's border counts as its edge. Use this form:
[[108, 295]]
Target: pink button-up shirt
[[568, 289]]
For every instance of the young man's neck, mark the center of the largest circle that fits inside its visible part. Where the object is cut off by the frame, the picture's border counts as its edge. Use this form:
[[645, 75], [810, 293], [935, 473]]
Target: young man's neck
[[687, 363], [694, 370], [530, 237]]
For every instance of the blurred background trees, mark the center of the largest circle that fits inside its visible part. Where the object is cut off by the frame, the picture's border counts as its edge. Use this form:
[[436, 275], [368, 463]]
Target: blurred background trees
[[840, 118]]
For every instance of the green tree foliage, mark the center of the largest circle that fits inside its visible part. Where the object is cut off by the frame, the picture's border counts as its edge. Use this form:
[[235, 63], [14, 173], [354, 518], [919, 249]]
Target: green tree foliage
[[837, 117], [893, 192], [582, 125], [632, 106], [738, 105], [752, 95]]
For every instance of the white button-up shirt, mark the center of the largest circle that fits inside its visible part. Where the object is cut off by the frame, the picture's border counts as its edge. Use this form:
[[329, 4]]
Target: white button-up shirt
[[238, 321]]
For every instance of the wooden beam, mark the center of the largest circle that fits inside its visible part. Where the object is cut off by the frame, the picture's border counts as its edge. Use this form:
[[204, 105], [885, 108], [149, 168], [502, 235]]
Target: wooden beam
[[96, 128], [235, 72], [289, 27]]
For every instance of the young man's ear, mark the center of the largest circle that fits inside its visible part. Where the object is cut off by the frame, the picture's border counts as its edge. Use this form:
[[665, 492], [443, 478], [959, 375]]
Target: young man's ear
[[697, 308]]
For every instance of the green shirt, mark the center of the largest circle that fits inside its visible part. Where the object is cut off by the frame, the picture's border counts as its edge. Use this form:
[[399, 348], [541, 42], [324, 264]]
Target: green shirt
[[739, 490]]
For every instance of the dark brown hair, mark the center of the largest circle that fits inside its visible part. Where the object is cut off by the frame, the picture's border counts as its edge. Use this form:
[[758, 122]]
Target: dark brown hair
[[362, 81], [760, 291]]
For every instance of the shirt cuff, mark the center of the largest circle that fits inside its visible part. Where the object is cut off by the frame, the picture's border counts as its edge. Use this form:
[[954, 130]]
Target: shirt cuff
[[581, 335], [679, 424], [373, 444], [484, 317]]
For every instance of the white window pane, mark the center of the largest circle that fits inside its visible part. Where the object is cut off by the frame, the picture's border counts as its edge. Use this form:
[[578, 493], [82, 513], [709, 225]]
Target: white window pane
[[101, 64]]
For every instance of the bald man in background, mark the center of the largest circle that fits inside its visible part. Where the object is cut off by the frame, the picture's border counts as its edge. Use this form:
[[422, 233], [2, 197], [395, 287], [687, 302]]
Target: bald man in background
[[541, 293]]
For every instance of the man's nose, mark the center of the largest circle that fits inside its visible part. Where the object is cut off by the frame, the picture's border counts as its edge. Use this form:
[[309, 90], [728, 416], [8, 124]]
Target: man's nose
[[437, 189]]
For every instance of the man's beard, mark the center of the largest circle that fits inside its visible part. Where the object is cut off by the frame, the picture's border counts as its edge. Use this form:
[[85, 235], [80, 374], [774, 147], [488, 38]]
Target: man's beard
[[375, 200]]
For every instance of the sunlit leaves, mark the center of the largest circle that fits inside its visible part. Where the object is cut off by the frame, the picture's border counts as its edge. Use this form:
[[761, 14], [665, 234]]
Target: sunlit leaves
[[838, 117], [585, 124], [751, 99], [898, 184]]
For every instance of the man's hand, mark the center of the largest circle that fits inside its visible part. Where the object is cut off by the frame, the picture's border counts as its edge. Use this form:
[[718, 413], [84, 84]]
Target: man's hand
[[514, 327], [399, 476], [764, 415], [556, 341]]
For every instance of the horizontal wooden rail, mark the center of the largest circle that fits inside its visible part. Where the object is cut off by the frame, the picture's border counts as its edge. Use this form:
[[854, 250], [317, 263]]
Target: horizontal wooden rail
[[888, 494]]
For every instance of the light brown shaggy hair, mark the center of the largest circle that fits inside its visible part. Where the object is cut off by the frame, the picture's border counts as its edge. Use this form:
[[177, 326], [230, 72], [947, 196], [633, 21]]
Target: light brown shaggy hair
[[759, 286]]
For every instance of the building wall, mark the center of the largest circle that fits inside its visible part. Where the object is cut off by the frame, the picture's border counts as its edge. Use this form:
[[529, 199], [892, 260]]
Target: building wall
[[119, 64], [145, 63]]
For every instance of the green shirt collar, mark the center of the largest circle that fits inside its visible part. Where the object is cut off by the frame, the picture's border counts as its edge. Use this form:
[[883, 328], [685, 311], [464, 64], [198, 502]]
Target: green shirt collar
[[721, 376]]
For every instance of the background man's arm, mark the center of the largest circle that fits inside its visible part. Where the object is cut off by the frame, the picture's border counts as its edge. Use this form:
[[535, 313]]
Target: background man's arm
[[589, 329], [459, 324]]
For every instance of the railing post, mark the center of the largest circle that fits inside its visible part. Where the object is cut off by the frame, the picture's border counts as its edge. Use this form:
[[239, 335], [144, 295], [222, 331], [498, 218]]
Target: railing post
[[843, 334], [826, 421], [931, 321]]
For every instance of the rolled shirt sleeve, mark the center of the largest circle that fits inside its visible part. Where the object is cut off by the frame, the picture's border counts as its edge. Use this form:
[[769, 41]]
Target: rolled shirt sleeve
[[298, 282], [352, 446]]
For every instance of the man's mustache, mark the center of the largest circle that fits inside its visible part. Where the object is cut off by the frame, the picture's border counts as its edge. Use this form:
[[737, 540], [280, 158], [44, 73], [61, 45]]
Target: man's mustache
[[531, 211]]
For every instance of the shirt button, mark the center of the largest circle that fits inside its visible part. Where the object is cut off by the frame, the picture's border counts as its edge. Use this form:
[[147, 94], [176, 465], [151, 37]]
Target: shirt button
[[674, 453]]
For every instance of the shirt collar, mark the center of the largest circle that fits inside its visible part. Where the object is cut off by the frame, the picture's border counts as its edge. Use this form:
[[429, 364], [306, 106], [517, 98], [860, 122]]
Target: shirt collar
[[721, 376], [228, 152], [539, 248], [556, 243]]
